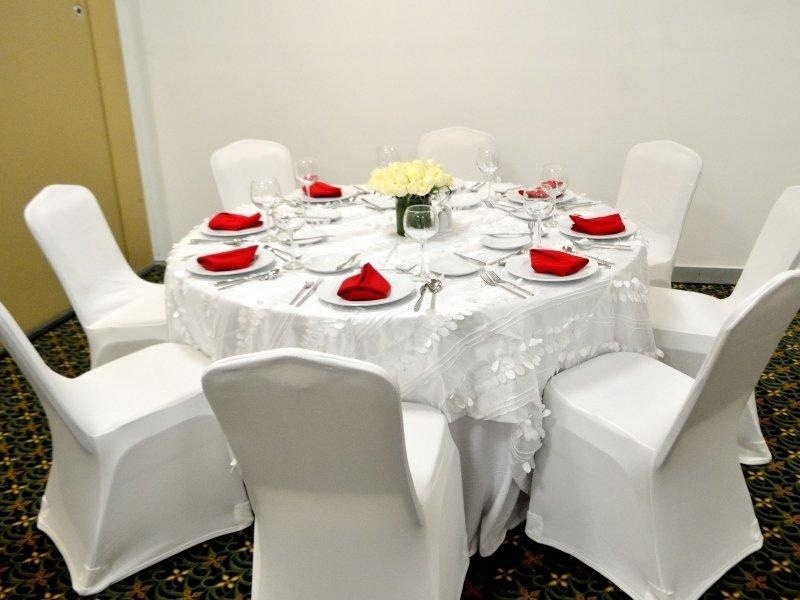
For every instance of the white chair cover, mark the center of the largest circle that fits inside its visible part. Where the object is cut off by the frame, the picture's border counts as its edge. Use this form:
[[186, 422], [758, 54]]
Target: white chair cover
[[686, 324], [456, 148], [356, 495], [236, 165], [658, 183], [638, 477], [140, 466], [119, 311]]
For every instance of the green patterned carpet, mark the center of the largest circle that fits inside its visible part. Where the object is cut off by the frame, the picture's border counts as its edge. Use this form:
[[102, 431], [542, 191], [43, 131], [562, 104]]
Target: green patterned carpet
[[31, 567]]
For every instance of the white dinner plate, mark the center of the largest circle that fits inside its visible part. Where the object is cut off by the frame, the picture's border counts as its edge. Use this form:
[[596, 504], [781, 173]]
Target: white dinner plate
[[322, 213], [304, 237], [263, 259], [520, 266], [513, 195], [326, 263], [347, 192], [565, 228], [452, 266], [206, 230], [402, 287], [505, 243], [464, 201]]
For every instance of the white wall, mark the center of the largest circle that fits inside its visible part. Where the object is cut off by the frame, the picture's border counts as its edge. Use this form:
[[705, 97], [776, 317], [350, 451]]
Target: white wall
[[555, 80]]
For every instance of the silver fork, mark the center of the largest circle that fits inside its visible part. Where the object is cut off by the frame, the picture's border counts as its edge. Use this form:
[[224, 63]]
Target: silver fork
[[489, 281], [306, 286], [499, 279], [310, 292]]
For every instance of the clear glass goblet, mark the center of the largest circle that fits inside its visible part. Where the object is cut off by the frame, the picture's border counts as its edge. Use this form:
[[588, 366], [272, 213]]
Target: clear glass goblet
[[386, 155], [290, 218], [307, 172], [265, 194], [421, 222], [488, 162], [539, 204]]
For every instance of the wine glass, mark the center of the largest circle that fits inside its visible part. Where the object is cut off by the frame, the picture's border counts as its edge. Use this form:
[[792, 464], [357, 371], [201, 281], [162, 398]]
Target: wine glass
[[539, 204], [488, 162], [387, 154], [421, 222], [289, 218], [264, 194], [556, 176], [307, 172]]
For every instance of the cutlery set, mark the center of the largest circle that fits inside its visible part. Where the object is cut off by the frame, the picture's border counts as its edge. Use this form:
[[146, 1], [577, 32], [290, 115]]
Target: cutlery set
[[305, 292]]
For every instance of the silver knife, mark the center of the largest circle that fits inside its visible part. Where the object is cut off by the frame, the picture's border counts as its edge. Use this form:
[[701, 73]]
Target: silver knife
[[475, 260], [309, 292], [422, 289]]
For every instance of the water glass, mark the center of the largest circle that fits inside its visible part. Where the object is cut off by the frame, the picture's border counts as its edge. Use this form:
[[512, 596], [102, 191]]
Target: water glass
[[421, 222], [539, 204], [307, 172], [555, 176], [488, 162], [289, 218], [386, 155], [265, 194]]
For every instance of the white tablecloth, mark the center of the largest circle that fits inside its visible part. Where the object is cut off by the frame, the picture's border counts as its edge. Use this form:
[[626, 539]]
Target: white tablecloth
[[483, 356]]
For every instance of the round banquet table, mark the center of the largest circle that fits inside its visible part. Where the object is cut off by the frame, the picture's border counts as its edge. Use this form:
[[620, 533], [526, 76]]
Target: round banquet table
[[482, 358]]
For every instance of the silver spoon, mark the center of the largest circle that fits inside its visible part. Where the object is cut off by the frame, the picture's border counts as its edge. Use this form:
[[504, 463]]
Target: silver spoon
[[435, 285]]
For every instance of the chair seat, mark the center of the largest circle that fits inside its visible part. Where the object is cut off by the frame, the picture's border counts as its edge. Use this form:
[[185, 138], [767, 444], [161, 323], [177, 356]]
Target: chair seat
[[135, 386], [147, 309], [623, 394], [426, 432]]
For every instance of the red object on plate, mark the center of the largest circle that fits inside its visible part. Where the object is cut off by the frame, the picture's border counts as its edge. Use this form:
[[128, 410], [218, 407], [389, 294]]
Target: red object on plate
[[320, 189], [229, 260], [555, 183], [369, 284], [556, 262], [226, 221], [605, 225], [536, 192]]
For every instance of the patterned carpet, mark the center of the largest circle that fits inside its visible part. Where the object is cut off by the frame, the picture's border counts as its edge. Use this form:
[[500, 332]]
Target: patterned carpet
[[31, 567]]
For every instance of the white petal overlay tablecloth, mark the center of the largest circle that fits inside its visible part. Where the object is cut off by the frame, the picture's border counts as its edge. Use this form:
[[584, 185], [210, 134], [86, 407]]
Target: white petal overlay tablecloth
[[484, 354]]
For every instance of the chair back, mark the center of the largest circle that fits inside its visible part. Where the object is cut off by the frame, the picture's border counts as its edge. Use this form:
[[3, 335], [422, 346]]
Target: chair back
[[312, 425], [456, 148], [48, 385], [236, 165], [658, 183], [742, 349], [777, 247], [74, 236]]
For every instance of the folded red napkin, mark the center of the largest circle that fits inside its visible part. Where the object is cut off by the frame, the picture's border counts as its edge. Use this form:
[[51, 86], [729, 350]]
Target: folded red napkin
[[556, 262], [229, 260], [367, 285], [232, 222], [536, 192], [557, 184], [320, 189], [605, 225]]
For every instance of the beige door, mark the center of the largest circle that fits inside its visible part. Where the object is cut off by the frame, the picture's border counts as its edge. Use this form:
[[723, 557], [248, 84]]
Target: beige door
[[64, 118]]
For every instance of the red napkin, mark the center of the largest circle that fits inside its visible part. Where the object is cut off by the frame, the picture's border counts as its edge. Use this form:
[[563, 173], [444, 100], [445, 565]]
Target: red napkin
[[320, 189], [534, 193], [556, 262], [605, 225], [232, 222], [230, 260], [367, 285]]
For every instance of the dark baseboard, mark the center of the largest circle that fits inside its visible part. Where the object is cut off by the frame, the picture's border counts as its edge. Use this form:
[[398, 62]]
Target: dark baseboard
[[728, 275]]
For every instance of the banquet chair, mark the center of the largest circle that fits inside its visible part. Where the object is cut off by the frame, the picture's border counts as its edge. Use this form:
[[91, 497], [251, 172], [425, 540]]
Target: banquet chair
[[686, 323], [236, 165], [140, 470], [357, 495], [456, 148], [119, 311], [658, 183], [638, 476]]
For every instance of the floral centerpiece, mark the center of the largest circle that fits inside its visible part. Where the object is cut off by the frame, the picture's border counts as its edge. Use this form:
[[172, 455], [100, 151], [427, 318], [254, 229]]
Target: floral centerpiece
[[410, 183]]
